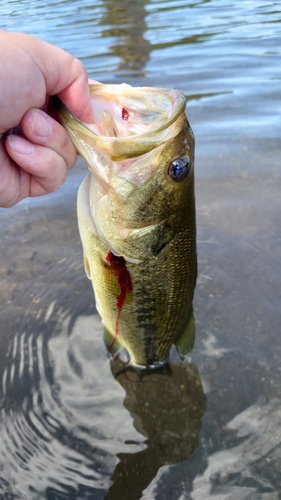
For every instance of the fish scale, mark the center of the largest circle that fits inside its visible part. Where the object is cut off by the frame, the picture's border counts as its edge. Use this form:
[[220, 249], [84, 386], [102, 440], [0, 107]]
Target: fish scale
[[137, 225]]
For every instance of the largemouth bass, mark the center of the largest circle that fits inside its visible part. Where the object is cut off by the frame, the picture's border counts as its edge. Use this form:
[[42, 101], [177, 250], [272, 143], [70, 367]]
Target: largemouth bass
[[136, 214]]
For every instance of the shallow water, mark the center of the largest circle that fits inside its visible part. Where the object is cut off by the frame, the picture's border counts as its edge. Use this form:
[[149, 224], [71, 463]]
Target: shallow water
[[68, 428]]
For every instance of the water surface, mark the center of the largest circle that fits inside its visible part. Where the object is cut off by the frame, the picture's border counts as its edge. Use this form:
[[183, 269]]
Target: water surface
[[68, 428]]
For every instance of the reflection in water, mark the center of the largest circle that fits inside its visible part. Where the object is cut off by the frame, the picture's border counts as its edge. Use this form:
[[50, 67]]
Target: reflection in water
[[127, 26], [63, 422], [246, 471], [168, 411]]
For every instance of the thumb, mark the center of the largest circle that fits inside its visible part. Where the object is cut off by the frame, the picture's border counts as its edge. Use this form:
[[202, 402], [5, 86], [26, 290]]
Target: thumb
[[63, 74]]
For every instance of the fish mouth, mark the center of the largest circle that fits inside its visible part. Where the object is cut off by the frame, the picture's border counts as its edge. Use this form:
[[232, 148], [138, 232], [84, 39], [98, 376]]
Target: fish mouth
[[129, 122], [120, 113]]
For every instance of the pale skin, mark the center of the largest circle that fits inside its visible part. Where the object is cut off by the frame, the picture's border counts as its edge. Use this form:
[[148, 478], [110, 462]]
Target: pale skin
[[35, 150]]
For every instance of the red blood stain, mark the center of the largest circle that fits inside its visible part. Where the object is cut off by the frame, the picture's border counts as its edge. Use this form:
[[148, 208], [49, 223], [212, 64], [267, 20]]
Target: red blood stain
[[123, 276], [125, 114]]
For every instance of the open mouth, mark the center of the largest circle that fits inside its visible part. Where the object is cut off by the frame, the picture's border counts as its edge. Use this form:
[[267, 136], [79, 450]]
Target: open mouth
[[123, 111], [113, 120]]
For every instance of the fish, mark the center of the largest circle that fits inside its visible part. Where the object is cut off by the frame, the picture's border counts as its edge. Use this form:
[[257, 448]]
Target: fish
[[136, 217]]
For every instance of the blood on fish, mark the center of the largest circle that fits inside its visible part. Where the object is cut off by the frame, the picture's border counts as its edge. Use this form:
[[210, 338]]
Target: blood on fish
[[125, 114], [123, 276]]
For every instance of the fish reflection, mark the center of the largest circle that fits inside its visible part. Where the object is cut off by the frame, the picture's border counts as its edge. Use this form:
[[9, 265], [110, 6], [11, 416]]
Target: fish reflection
[[168, 411], [127, 25], [63, 427]]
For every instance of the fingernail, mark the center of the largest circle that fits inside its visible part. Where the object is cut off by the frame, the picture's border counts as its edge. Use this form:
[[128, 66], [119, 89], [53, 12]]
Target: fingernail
[[20, 145], [42, 124]]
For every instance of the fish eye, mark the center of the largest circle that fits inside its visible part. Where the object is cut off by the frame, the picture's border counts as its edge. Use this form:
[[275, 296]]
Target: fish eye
[[179, 168]]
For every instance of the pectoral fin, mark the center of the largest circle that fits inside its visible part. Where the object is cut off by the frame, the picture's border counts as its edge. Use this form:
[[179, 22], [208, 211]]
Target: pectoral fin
[[184, 344], [112, 345], [87, 267]]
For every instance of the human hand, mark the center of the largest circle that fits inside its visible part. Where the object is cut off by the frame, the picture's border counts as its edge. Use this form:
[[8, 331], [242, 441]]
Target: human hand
[[35, 158]]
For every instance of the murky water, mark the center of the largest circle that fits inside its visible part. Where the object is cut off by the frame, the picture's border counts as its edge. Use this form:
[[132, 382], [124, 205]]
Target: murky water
[[68, 428]]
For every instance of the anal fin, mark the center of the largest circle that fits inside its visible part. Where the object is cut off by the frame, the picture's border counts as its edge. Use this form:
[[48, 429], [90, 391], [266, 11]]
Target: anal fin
[[185, 343]]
